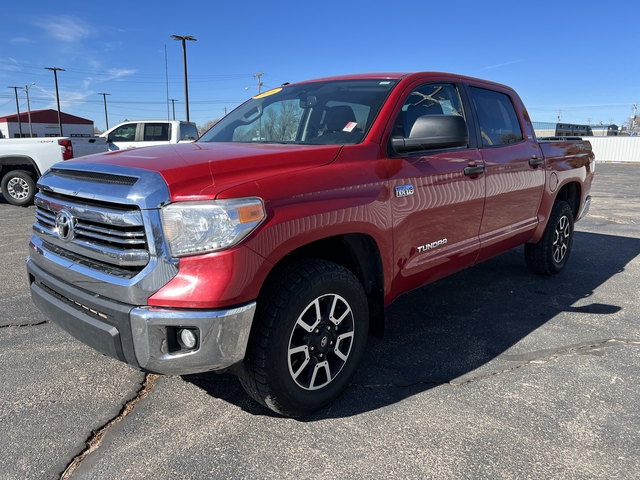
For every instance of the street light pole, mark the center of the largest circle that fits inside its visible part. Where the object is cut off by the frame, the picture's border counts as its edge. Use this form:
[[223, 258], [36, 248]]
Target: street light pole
[[183, 39], [55, 78], [15, 89], [106, 116], [26, 89]]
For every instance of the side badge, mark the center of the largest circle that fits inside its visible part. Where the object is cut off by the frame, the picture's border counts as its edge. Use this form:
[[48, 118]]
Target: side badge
[[404, 190]]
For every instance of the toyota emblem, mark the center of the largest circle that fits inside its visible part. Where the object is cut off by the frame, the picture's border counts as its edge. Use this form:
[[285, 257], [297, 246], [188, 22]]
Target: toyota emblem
[[64, 225]]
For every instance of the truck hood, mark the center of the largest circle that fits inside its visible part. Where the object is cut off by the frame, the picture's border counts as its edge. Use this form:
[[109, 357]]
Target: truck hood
[[195, 171]]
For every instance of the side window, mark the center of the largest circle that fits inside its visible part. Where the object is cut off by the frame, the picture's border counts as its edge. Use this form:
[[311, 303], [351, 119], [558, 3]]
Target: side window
[[497, 116], [188, 132], [156, 132], [428, 99], [125, 133]]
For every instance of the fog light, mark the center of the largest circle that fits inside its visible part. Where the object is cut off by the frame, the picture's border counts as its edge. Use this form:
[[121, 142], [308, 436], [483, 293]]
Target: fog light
[[187, 338]]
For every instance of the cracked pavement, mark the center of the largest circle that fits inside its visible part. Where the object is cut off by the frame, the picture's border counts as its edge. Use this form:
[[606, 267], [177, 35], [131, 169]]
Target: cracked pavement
[[492, 372]]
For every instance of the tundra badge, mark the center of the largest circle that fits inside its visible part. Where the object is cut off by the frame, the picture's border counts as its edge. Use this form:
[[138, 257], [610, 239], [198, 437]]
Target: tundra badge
[[429, 246]]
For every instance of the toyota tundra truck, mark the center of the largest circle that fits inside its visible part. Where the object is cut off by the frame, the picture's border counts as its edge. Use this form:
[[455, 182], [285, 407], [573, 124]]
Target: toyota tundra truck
[[271, 246]]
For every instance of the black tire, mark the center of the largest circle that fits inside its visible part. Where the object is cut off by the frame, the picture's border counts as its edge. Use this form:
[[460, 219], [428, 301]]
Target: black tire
[[18, 188], [289, 342], [550, 255]]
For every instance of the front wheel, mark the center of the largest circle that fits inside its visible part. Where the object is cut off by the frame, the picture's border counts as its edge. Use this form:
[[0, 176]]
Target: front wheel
[[18, 188], [308, 340], [550, 255]]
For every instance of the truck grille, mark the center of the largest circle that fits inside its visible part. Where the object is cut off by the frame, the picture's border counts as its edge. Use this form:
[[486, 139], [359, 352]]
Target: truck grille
[[107, 237]]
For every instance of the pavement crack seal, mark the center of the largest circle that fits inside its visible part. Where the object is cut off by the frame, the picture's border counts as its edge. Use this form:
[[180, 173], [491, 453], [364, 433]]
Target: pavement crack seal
[[546, 356], [18, 325], [96, 438]]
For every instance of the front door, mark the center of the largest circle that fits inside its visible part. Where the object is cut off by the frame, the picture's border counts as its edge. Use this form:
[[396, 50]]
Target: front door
[[436, 206]]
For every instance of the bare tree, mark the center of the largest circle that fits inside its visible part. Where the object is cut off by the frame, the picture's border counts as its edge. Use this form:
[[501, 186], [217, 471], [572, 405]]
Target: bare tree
[[207, 126], [282, 126]]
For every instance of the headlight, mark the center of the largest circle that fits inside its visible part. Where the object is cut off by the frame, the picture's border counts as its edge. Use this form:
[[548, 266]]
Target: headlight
[[199, 227]]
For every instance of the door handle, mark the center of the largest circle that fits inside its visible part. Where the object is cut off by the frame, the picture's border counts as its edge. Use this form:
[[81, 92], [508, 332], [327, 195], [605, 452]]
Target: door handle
[[473, 170], [534, 161]]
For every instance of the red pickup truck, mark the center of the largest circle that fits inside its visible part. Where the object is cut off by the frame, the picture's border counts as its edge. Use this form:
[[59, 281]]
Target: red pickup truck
[[271, 246]]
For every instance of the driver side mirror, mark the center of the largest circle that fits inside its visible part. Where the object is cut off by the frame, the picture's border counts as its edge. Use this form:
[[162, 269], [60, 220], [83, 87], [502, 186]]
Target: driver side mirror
[[433, 132]]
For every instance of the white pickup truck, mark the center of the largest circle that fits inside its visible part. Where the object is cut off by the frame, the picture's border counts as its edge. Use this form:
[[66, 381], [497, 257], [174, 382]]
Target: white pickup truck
[[24, 160], [149, 133]]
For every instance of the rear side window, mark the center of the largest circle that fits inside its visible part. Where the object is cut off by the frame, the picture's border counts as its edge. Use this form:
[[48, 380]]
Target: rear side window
[[497, 117], [188, 132], [156, 132]]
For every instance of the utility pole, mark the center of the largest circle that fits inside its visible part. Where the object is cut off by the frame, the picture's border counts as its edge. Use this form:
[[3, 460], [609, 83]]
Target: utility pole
[[559, 115], [106, 116], [258, 75], [589, 120], [634, 117], [173, 105], [55, 78], [15, 89], [26, 89]]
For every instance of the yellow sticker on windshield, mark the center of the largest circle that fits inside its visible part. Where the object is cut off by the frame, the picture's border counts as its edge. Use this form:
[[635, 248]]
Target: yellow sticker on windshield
[[270, 92]]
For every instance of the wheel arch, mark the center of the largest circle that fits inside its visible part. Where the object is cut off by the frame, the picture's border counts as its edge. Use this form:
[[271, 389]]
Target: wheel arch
[[359, 254], [18, 162], [570, 193]]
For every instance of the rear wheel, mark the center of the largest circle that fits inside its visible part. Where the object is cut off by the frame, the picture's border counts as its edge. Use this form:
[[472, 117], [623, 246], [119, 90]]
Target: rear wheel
[[309, 338], [550, 255], [18, 187]]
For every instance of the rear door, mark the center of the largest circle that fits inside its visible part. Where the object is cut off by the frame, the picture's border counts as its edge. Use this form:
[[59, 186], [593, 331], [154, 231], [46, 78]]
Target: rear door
[[514, 171], [154, 133], [436, 206]]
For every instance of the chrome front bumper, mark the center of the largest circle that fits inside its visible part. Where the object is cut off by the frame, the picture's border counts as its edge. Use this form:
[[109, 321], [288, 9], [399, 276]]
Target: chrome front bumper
[[222, 338], [144, 337]]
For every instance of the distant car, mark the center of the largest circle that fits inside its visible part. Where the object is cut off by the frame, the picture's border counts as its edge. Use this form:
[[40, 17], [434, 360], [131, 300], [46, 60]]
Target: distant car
[[149, 133], [23, 160]]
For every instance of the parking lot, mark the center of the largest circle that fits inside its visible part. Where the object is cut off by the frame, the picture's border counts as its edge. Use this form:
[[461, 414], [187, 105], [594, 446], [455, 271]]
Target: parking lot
[[490, 373]]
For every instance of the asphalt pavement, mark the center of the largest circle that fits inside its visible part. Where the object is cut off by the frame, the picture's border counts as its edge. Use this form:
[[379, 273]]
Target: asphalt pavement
[[490, 373]]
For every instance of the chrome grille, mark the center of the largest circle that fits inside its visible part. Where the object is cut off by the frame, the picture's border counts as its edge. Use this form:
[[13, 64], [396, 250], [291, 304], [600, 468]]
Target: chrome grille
[[106, 237]]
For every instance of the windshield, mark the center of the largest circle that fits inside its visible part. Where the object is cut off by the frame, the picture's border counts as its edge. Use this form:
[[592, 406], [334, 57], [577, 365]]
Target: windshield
[[318, 113]]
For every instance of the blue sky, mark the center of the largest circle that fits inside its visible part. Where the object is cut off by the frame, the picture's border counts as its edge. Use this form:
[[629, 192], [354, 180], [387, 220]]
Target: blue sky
[[578, 58]]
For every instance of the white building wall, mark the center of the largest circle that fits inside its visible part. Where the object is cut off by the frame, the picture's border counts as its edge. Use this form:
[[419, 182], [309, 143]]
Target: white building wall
[[10, 129], [615, 149]]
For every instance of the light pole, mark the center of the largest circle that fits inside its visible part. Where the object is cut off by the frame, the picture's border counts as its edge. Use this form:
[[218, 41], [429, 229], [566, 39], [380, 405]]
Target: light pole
[[55, 78], [26, 89], [15, 89], [106, 116], [183, 39]]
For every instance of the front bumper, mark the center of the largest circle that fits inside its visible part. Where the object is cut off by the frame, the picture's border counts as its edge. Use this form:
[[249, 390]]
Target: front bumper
[[144, 337]]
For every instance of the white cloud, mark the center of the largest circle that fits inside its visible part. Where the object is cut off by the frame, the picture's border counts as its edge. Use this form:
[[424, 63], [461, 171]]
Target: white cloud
[[502, 64], [66, 28], [117, 73], [19, 40], [113, 74]]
